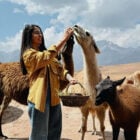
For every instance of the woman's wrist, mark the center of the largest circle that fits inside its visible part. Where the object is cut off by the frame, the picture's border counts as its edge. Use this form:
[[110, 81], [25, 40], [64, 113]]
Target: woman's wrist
[[69, 77], [66, 36]]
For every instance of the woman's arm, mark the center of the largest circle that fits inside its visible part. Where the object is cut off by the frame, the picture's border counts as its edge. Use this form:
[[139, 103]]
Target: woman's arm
[[66, 36], [71, 79]]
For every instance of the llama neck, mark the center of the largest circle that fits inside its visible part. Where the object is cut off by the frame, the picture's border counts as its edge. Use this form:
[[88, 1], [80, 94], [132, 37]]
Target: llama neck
[[117, 107], [68, 63], [90, 70]]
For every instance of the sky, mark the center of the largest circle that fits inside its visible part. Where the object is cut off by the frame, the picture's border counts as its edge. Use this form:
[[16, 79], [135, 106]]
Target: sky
[[117, 21]]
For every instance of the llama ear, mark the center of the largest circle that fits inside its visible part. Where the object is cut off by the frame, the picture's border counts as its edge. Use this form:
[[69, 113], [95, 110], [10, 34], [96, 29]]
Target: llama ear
[[96, 47], [118, 82], [108, 77]]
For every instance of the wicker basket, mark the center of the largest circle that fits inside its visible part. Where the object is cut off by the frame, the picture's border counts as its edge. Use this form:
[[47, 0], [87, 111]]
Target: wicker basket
[[74, 99]]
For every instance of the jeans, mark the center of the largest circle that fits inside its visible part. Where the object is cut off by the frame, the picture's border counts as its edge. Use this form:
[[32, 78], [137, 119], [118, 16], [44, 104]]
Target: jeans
[[45, 125]]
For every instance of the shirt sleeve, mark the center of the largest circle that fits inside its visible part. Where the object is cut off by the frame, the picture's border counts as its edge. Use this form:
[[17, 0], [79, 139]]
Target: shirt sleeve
[[34, 59]]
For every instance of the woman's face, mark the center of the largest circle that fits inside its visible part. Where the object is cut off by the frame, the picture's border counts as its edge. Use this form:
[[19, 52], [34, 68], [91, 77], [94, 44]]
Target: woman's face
[[36, 38]]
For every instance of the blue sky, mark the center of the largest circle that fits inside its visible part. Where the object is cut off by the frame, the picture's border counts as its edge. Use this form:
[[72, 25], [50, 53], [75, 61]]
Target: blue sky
[[117, 21], [13, 20]]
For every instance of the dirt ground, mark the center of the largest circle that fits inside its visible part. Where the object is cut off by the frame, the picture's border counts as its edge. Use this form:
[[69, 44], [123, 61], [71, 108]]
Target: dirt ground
[[16, 122]]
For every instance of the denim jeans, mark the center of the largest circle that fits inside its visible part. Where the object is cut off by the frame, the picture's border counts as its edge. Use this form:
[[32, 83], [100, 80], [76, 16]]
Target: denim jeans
[[47, 125]]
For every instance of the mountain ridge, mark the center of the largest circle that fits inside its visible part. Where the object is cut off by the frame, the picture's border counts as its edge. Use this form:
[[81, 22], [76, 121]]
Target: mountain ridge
[[111, 54]]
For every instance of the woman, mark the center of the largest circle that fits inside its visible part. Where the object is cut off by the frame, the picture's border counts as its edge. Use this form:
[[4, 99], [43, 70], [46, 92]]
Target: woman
[[45, 72]]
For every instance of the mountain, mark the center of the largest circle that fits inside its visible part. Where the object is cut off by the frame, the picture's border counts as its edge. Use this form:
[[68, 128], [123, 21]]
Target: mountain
[[111, 54]]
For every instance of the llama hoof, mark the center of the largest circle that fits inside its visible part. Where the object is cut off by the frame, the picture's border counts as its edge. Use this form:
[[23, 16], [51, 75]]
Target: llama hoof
[[3, 137], [94, 133], [79, 130]]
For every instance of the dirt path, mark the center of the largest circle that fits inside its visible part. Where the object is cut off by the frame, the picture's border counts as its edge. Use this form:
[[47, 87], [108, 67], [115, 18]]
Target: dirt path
[[16, 124]]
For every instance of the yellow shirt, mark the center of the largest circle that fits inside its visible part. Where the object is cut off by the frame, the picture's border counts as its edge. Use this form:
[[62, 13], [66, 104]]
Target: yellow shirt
[[36, 63]]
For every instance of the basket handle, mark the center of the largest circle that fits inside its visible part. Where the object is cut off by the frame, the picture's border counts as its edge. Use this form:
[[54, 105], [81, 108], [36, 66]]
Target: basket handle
[[74, 84]]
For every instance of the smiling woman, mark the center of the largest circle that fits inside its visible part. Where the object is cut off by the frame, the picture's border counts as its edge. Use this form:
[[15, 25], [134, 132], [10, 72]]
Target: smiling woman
[[36, 38], [45, 71]]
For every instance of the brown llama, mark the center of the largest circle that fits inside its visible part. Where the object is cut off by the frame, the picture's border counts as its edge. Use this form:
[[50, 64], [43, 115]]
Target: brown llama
[[15, 85], [133, 78], [124, 106], [92, 76]]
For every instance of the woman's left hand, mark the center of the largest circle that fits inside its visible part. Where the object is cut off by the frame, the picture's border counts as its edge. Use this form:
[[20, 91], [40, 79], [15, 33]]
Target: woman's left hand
[[73, 81]]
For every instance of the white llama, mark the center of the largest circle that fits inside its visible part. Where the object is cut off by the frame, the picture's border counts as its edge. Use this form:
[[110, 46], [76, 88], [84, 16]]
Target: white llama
[[92, 76]]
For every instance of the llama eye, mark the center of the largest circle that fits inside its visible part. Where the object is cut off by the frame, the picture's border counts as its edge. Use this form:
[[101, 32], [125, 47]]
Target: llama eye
[[110, 88], [87, 33]]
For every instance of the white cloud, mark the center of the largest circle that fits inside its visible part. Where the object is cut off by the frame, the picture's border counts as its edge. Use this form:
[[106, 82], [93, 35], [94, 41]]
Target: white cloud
[[117, 21], [113, 14], [51, 36], [17, 10], [125, 38], [100, 13], [30, 6], [11, 43], [48, 6], [131, 38]]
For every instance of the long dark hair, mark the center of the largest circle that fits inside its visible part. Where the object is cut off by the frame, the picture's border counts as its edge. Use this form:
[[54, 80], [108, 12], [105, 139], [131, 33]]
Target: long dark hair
[[26, 43]]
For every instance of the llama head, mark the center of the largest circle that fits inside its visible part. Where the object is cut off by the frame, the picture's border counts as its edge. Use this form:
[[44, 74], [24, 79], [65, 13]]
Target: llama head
[[84, 38], [106, 90]]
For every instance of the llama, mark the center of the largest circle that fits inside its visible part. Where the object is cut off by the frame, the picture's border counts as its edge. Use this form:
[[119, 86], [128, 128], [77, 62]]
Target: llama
[[15, 85], [134, 78], [124, 100], [92, 76]]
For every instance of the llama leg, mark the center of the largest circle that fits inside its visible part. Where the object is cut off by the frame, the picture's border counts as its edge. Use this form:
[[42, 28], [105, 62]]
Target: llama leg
[[130, 135], [94, 127], [2, 98], [85, 113], [101, 116], [1, 134], [3, 106], [115, 132], [115, 129]]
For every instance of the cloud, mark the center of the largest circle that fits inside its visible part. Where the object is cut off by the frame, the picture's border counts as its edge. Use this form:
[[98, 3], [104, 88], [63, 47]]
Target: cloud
[[100, 13], [51, 36], [11, 43], [116, 14], [31, 7], [48, 6], [117, 21], [17, 10], [124, 38]]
